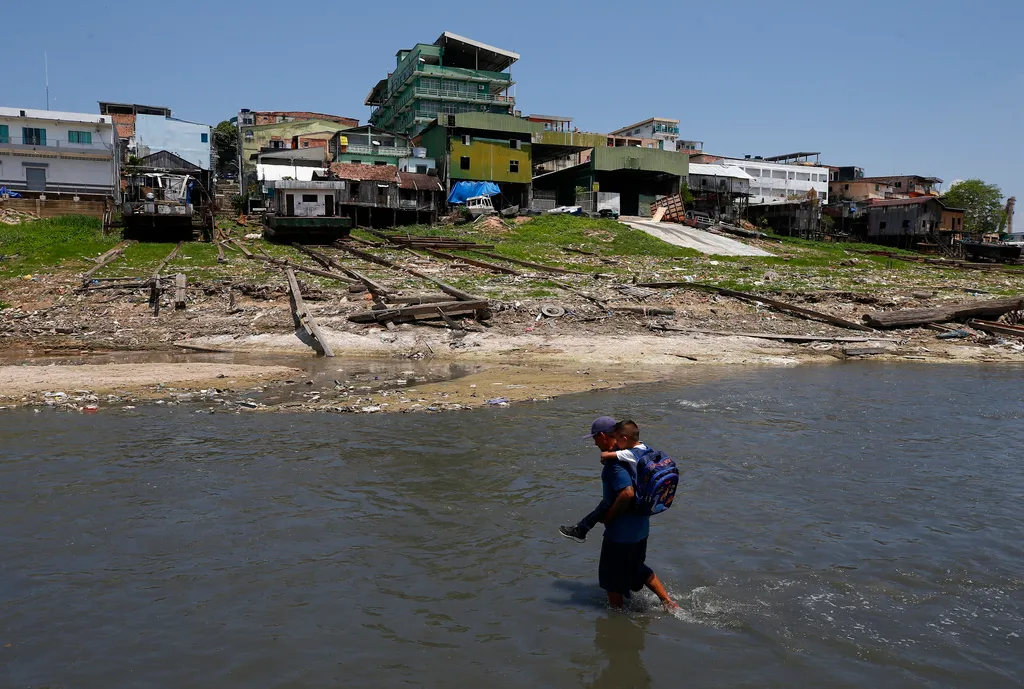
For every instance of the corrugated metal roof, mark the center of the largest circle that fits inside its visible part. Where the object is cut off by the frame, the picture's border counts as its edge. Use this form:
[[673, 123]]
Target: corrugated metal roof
[[419, 182], [906, 202], [359, 172], [712, 170]]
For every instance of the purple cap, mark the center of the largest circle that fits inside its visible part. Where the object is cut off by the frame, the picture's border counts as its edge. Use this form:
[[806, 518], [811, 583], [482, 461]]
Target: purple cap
[[603, 424]]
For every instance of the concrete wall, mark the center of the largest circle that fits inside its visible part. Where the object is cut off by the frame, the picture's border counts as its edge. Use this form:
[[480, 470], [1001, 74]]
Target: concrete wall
[[489, 160], [777, 183], [62, 174], [184, 139]]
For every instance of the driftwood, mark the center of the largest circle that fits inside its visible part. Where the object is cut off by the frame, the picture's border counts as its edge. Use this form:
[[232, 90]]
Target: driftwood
[[221, 258], [573, 290], [375, 288], [864, 351], [997, 328], [910, 318], [470, 261], [774, 303], [303, 316], [528, 264], [767, 336], [645, 310], [285, 263], [444, 287], [163, 264], [422, 311], [105, 260]]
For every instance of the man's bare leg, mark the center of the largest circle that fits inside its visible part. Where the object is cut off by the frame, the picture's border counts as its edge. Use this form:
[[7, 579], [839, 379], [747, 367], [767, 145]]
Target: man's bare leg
[[654, 584], [615, 600]]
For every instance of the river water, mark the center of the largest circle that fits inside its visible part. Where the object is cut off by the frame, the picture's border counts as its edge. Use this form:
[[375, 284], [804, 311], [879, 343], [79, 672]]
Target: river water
[[842, 526]]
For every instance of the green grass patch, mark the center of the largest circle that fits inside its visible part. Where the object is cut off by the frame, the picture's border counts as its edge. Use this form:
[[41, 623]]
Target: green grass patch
[[52, 241]]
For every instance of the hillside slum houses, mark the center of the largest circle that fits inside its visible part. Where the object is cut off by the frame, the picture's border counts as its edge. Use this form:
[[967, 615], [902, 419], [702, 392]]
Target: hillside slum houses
[[444, 118]]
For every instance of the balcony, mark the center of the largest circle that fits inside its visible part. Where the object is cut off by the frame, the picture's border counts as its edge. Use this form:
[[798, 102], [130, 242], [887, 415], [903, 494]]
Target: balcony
[[474, 96], [16, 145], [390, 151]]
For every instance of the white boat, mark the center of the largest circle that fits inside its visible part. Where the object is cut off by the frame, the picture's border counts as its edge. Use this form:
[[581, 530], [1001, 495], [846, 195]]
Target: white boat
[[480, 205]]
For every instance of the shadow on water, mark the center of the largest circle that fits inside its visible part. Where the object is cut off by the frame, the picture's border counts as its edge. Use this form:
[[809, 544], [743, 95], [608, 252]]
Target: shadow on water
[[619, 640]]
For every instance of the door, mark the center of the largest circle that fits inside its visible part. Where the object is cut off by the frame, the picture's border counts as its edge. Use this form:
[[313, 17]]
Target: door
[[329, 205], [35, 177], [289, 205]]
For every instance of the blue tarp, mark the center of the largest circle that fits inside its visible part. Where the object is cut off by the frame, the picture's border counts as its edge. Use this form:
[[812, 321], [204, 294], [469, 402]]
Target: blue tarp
[[467, 190], [12, 194]]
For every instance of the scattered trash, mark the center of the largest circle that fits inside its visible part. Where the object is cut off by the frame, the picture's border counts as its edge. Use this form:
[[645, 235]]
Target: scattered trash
[[498, 402], [552, 311], [953, 335]]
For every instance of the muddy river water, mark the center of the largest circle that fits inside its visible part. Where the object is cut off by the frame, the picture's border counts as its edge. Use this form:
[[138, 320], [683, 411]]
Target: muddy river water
[[843, 526]]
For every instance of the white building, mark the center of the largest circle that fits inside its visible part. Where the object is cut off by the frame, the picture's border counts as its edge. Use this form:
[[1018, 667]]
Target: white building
[[774, 183], [661, 129], [187, 140], [45, 151]]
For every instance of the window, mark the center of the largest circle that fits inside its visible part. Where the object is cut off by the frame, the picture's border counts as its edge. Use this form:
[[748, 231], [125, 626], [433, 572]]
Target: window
[[204, 137], [357, 162], [354, 190], [248, 135], [79, 137], [753, 172], [380, 163], [791, 173], [898, 185], [466, 140], [515, 144], [881, 225], [310, 198], [4, 136], [803, 177], [464, 163], [305, 144], [876, 187], [32, 136], [846, 187], [906, 224], [778, 174], [421, 169], [513, 166]]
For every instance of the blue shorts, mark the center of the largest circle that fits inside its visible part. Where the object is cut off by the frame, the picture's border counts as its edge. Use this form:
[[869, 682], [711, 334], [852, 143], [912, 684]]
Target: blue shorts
[[622, 567]]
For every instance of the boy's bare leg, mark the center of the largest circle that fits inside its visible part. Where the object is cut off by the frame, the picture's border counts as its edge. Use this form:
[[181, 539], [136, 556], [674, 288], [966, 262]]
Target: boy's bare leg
[[654, 584]]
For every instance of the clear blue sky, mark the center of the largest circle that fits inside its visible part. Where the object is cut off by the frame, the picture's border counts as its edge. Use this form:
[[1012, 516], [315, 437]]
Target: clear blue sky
[[931, 88]]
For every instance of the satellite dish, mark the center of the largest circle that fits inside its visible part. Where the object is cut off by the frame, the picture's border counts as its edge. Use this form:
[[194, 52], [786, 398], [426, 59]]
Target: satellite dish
[[376, 143]]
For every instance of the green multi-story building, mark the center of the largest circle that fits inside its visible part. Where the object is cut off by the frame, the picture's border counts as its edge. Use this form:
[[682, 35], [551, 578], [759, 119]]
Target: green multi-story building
[[453, 75]]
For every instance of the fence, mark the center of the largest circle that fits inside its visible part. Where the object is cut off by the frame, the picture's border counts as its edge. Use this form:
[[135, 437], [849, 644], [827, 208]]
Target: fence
[[52, 208]]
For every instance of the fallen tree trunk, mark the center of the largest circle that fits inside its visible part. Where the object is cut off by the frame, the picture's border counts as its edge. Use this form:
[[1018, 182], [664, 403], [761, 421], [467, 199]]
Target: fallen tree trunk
[[911, 318], [303, 317], [768, 301], [421, 312]]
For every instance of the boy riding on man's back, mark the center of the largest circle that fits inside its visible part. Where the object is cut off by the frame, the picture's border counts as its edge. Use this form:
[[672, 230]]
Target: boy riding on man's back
[[628, 449]]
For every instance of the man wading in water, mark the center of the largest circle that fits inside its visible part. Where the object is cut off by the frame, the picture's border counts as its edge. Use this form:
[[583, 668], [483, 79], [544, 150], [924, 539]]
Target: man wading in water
[[624, 549]]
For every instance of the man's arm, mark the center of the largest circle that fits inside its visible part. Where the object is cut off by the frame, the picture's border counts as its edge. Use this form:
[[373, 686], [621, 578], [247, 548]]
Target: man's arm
[[622, 502]]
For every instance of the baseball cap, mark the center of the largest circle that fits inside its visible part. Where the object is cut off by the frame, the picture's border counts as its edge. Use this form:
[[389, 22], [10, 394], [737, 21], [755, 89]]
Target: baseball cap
[[602, 424]]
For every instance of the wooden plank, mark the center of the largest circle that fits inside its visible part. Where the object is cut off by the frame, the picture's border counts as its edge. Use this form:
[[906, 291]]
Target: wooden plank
[[420, 311], [413, 299], [659, 214], [528, 264], [471, 261], [910, 318], [221, 258], [774, 303], [285, 263], [180, 283], [303, 316], [645, 310], [580, 251]]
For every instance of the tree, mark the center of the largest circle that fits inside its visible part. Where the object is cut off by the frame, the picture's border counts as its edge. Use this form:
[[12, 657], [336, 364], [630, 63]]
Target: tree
[[225, 140], [982, 204]]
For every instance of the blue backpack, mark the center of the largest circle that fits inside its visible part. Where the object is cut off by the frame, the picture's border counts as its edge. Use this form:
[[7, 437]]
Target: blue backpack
[[657, 478]]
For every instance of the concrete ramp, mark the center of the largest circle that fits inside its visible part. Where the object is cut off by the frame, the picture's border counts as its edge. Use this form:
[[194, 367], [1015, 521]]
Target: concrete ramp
[[692, 238]]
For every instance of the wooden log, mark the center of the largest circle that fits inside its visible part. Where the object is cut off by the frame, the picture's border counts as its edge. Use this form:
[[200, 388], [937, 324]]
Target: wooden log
[[106, 259], [303, 316], [645, 310], [180, 283], [414, 299], [996, 328], [767, 336], [528, 264], [155, 292], [375, 288], [573, 290], [580, 251], [163, 264], [221, 258], [285, 263], [471, 261], [910, 318], [774, 303], [405, 313], [238, 245], [444, 287]]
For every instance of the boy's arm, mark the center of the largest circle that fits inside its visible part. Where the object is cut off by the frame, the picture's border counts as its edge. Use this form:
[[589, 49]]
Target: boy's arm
[[609, 457]]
